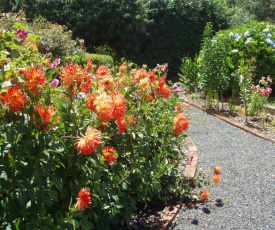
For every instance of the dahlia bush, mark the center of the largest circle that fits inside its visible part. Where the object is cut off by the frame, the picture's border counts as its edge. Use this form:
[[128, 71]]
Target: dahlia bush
[[81, 146]]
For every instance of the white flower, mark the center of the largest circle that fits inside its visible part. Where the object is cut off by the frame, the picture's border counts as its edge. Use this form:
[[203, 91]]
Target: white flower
[[7, 67], [231, 34], [248, 40], [269, 41], [246, 34], [235, 51]]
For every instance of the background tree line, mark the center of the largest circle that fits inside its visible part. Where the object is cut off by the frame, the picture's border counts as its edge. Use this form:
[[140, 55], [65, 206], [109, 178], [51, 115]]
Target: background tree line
[[144, 31]]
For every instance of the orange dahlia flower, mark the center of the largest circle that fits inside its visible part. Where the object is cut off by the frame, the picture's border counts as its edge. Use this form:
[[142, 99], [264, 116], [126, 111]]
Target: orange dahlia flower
[[119, 104], [152, 77], [86, 83], [83, 199], [121, 124], [13, 98], [144, 83], [89, 65], [149, 97], [74, 76], [217, 170], [102, 70], [90, 101], [177, 107], [35, 79], [140, 74], [180, 123], [216, 178], [109, 155], [132, 120], [161, 88], [106, 82], [71, 74], [88, 143], [104, 107], [204, 195], [122, 68], [46, 115]]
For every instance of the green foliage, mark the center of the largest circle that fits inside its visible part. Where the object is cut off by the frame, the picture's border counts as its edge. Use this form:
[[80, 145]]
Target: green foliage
[[245, 82], [261, 10], [143, 31], [213, 64], [259, 96], [190, 73], [257, 103], [56, 41], [97, 59], [175, 30], [52, 140], [221, 55]]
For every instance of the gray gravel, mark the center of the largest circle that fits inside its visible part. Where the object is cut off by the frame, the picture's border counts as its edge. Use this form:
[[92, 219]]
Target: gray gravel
[[245, 197]]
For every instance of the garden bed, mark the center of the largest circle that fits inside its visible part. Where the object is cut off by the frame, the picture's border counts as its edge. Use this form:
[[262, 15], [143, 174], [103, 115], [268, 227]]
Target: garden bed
[[263, 125]]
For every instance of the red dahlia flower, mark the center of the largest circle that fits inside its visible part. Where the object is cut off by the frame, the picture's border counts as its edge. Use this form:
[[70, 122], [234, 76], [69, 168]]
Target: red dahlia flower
[[13, 98], [180, 123], [35, 79], [109, 155], [83, 199], [119, 104], [121, 124]]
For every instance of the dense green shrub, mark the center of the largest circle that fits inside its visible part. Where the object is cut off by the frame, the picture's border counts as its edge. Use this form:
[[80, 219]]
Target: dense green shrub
[[260, 10], [175, 30], [80, 147], [56, 41], [97, 59], [143, 31], [221, 55]]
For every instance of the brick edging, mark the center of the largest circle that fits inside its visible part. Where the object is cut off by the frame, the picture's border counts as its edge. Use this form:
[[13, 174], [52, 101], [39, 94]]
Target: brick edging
[[169, 213], [191, 169]]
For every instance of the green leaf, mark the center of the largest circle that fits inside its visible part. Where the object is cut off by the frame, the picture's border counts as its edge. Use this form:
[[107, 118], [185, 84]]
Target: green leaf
[[53, 195], [56, 182], [102, 192], [14, 54]]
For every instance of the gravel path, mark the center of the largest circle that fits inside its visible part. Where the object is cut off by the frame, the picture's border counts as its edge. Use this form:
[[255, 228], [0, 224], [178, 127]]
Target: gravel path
[[247, 188]]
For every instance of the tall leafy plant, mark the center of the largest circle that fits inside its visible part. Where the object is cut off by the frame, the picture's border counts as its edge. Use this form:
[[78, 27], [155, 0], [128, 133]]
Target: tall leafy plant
[[189, 75], [213, 64]]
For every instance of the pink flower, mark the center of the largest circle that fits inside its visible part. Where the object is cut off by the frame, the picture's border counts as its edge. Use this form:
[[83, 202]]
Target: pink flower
[[267, 91], [21, 35], [269, 79], [253, 88], [262, 81], [176, 88], [55, 63], [54, 83]]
